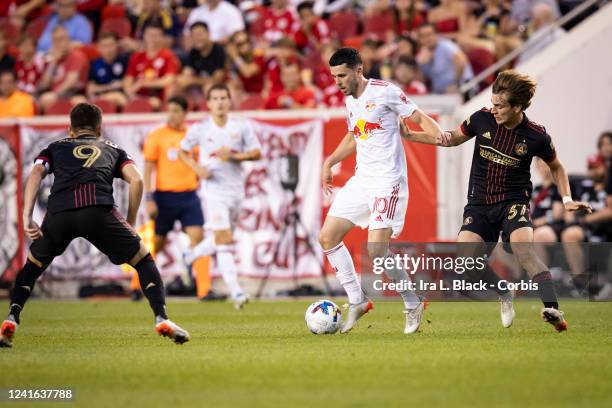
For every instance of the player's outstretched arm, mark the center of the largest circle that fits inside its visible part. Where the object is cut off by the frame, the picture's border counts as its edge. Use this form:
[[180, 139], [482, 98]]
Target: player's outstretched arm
[[201, 171], [132, 176], [432, 132], [559, 174], [345, 148], [31, 228]]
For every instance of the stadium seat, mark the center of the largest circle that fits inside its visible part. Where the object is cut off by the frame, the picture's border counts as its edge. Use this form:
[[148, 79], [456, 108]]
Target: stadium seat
[[11, 33], [138, 105], [105, 106], [113, 11], [91, 51], [36, 27], [344, 24], [120, 26], [378, 25], [481, 59], [252, 102], [60, 107]]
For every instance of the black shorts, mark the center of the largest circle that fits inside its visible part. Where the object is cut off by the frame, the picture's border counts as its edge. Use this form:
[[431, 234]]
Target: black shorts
[[182, 206], [489, 220], [103, 226]]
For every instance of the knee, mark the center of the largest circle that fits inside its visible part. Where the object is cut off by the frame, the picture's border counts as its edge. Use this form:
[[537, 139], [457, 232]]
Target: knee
[[143, 251], [223, 238], [327, 239], [377, 249], [573, 234], [544, 234]]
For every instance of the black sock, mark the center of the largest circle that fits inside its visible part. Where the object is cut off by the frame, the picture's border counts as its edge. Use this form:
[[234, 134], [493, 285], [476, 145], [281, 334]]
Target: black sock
[[22, 289], [152, 285], [581, 281], [546, 290], [492, 280]]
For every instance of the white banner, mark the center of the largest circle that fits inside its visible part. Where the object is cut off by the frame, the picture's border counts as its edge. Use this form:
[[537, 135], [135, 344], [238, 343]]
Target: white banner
[[262, 219]]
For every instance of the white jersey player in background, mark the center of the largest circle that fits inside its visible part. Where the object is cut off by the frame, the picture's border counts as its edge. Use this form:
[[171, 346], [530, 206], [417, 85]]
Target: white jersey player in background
[[377, 195], [224, 142]]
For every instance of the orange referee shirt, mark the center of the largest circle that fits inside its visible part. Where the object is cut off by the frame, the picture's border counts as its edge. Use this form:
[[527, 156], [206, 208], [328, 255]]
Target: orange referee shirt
[[171, 174]]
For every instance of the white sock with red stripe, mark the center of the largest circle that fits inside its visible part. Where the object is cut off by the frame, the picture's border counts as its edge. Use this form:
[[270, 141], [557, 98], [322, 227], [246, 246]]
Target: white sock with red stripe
[[205, 248], [398, 274], [227, 267], [340, 259]]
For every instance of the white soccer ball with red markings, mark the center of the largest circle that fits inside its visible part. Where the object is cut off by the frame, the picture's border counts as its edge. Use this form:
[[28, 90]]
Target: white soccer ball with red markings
[[323, 317]]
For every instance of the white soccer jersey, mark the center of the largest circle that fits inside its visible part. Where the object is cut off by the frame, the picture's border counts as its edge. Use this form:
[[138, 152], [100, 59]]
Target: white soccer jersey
[[226, 176], [374, 120]]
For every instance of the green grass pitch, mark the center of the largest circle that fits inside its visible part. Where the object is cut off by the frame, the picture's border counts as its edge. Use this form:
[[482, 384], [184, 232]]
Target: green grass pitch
[[264, 356]]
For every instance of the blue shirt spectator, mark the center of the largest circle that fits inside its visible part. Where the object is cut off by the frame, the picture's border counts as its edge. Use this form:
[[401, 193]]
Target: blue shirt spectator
[[103, 72], [442, 62], [78, 27]]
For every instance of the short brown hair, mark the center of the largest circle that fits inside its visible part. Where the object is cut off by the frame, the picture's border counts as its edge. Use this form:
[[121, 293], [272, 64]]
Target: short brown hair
[[85, 116], [520, 88], [217, 87]]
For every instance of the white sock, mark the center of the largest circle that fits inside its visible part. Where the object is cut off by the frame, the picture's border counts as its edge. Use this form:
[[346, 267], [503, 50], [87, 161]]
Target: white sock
[[204, 248], [340, 259], [227, 266], [411, 300]]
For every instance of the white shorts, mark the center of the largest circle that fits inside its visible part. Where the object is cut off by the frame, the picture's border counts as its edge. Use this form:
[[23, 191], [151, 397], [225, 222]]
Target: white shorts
[[221, 212], [372, 207]]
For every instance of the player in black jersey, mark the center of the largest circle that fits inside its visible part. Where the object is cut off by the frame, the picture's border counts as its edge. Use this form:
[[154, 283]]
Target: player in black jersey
[[500, 184], [81, 205]]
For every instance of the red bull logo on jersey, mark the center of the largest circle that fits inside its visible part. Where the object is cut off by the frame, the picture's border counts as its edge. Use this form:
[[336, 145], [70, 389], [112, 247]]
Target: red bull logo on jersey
[[363, 129]]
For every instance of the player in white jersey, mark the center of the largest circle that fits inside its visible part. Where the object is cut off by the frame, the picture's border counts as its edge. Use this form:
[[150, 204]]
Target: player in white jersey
[[377, 195], [224, 142]]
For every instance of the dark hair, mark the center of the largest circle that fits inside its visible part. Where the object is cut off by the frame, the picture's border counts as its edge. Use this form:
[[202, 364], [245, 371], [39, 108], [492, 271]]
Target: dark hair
[[370, 42], [348, 56], [305, 5], [407, 61], [409, 39], [108, 34], [199, 24], [8, 71], [218, 87], [520, 88], [604, 135], [85, 116], [180, 101], [153, 25]]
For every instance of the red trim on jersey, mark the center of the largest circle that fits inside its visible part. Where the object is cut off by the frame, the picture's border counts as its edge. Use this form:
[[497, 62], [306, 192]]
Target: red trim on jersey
[[463, 130], [43, 158], [125, 163], [378, 82], [550, 159], [538, 128]]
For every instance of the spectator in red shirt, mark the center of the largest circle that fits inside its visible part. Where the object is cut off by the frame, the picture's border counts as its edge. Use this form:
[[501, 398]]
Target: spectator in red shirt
[[29, 66], [406, 74], [313, 31], [294, 95], [249, 64], [279, 21], [152, 73], [332, 95], [282, 53], [66, 71], [20, 11]]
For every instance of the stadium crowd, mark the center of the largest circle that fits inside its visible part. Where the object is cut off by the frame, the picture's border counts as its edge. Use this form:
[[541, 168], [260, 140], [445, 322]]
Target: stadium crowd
[[132, 55]]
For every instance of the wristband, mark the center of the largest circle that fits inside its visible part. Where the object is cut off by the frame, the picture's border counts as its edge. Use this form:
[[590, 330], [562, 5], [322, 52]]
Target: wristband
[[567, 199]]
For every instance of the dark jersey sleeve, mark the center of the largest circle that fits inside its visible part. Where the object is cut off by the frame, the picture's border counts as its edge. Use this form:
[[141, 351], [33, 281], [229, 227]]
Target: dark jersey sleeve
[[546, 150], [123, 160], [468, 127], [44, 158], [609, 181]]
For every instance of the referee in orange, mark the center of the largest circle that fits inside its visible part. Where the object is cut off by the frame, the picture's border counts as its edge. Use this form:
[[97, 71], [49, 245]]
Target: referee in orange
[[173, 196]]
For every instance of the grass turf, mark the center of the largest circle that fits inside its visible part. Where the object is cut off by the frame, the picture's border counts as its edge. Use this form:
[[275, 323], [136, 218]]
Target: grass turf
[[264, 356]]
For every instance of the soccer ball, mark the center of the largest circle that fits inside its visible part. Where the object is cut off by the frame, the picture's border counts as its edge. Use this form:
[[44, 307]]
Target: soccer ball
[[323, 317]]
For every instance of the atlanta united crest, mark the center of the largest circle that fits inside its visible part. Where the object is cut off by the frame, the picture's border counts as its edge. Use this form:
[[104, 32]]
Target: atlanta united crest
[[521, 148], [468, 220]]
